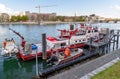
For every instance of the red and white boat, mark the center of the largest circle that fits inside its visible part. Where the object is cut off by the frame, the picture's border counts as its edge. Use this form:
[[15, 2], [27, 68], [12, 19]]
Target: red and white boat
[[66, 56], [9, 49], [72, 38]]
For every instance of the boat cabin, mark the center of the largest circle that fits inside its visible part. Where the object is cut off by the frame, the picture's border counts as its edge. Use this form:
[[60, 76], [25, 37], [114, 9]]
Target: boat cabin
[[57, 43]]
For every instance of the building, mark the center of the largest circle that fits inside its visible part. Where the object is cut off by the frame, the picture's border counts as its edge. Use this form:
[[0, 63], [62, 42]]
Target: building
[[69, 19], [93, 18], [21, 13], [4, 17], [35, 17]]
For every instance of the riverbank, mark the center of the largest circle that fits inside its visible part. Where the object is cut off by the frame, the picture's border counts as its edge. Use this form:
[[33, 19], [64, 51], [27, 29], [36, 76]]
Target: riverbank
[[110, 73], [36, 23]]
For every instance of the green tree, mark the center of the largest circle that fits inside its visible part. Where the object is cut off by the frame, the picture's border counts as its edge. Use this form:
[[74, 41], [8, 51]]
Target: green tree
[[18, 18], [61, 18], [13, 19], [53, 19], [24, 18], [80, 18]]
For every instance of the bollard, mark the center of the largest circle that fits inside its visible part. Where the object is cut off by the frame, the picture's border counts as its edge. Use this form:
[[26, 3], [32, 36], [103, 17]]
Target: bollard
[[117, 43], [44, 55]]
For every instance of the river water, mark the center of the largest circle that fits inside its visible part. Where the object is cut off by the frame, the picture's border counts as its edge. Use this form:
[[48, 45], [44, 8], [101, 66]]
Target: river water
[[18, 69]]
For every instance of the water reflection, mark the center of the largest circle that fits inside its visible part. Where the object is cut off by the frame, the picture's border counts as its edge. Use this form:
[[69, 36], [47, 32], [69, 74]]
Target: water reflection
[[18, 69], [10, 68], [14, 69]]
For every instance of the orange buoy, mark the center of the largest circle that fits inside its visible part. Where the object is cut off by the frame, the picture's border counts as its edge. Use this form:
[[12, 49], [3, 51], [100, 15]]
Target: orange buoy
[[67, 52]]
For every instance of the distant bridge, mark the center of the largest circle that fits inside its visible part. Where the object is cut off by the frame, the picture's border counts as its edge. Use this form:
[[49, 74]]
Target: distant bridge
[[109, 21]]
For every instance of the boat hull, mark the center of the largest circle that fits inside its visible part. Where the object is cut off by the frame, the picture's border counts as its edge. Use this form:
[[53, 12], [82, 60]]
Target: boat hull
[[32, 56], [71, 58]]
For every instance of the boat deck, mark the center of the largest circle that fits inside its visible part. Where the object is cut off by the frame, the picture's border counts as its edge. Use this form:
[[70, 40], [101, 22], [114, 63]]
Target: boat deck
[[75, 52], [29, 51], [86, 54], [96, 44]]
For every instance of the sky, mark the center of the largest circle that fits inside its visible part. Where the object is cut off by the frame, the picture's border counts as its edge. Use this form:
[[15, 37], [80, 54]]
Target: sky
[[105, 8]]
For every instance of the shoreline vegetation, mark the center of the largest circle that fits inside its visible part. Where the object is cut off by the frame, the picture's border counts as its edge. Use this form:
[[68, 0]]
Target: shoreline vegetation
[[36, 23]]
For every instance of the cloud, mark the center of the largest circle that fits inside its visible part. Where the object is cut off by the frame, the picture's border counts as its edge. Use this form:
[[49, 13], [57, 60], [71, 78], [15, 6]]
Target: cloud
[[117, 7], [5, 9]]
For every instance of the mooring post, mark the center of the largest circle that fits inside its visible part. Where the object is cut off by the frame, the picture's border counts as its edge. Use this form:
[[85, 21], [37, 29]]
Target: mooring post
[[109, 44], [91, 40], [117, 42], [113, 38], [109, 41], [44, 55], [107, 48], [113, 42]]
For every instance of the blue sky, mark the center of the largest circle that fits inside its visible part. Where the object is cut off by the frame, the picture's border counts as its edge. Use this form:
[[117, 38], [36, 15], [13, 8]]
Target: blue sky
[[106, 8]]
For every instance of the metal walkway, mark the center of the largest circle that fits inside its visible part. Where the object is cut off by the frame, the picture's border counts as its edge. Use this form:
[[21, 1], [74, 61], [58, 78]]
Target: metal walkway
[[81, 70]]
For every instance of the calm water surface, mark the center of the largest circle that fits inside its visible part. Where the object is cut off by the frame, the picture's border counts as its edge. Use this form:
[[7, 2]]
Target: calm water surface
[[17, 69]]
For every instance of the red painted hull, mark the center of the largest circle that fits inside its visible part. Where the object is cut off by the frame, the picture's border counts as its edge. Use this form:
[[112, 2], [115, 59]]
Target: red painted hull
[[32, 56], [71, 58]]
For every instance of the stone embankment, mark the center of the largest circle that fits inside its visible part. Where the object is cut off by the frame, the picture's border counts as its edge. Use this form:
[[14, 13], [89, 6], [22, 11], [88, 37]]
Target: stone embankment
[[36, 23]]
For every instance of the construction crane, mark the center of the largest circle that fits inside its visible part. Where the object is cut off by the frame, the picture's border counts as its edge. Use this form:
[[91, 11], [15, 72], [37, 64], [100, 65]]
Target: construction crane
[[39, 7]]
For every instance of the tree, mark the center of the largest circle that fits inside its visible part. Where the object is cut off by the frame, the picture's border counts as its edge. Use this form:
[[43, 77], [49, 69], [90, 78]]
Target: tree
[[24, 18], [18, 18], [60, 18], [80, 18], [53, 19], [13, 19]]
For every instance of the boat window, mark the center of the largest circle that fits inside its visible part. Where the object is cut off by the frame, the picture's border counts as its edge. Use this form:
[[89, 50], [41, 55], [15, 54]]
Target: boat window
[[71, 27], [96, 30], [84, 32], [63, 44], [88, 31], [56, 45], [76, 41], [79, 40]]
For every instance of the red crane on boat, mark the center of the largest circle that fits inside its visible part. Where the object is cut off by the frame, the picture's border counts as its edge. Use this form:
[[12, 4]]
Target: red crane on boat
[[17, 33]]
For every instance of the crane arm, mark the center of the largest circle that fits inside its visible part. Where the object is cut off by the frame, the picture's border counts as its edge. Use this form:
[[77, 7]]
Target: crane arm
[[17, 33]]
